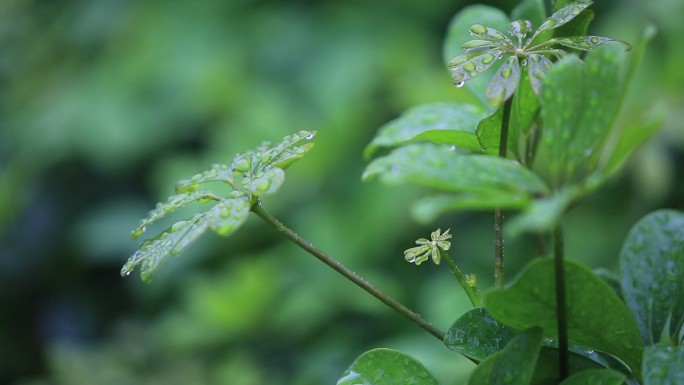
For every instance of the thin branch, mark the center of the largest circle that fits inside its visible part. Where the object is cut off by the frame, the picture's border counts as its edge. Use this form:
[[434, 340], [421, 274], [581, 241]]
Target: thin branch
[[498, 214], [347, 273], [471, 291]]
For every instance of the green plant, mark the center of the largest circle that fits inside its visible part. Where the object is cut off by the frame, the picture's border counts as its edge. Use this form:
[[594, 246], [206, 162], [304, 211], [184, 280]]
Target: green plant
[[550, 142]]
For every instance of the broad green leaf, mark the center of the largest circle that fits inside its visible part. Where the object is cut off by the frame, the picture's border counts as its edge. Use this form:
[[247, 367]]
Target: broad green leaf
[[457, 35], [386, 367], [652, 269], [504, 82], [532, 10], [597, 318], [429, 208], [441, 168], [169, 243], [664, 365], [538, 66], [441, 123], [174, 203], [595, 377], [542, 214], [563, 15], [547, 368], [514, 365], [489, 130], [229, 214], [478, 335]]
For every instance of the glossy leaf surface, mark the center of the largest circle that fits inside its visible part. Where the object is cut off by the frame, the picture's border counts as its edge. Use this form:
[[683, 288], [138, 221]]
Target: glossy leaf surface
[[563, 15], [597, 318], [441, 123], [429, 208], [595, 377], [664, 365], [514, 365], [174, 203], [478, 335], [441, 168], [652, 269], [386, 367], [504, 82]]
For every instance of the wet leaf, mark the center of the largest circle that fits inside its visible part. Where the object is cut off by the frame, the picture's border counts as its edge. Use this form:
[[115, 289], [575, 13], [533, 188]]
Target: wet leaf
[[441, 168], [478, 335], [217, 173], [174, 203], [547, 368], [440, 123], [537, 67], [587, 43], [386, 367], [652, 269], [170, 242], [664, 365], [595, 377], [489, 130], [504, 82], [465, 67], [265, 182], [514, 365], [229, 214], [597, 318], [563, 15]]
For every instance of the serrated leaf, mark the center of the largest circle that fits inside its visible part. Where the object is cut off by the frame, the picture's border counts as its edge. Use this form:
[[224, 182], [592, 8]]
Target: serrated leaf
[[170, 242], [652, 269], [478, 335], [595, 377], [514, 365], [587, 43], [664, 365], [386, 367], [441, 168], [440, 123], [429, 208], [597, 318], [174, 203], [457, 35], [504, 82], [563, 15], [217, 173], [229, 214]]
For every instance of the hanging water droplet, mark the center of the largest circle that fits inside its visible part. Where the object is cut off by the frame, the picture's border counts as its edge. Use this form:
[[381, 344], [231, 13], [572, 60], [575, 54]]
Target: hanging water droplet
[[309, 137], [523, 62], [460, 84]]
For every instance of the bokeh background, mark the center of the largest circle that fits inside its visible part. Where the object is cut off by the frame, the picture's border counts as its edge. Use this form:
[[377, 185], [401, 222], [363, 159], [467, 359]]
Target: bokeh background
[[105, 104]]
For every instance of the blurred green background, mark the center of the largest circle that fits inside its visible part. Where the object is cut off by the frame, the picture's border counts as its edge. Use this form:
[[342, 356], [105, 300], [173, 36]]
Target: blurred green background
[[105, 104]]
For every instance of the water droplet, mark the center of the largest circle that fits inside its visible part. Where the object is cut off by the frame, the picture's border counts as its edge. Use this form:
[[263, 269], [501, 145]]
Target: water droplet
[[589, 351], [309, 137], [127, 273], [500, 55], [523, 63], [460, 84]]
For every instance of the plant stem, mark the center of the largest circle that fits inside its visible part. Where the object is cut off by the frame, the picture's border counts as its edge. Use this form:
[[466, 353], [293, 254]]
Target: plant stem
[[561, 314], [471, 291], [347, 273], [498, 214]]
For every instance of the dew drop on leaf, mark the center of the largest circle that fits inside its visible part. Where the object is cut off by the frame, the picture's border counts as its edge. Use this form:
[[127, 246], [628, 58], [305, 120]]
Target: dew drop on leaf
[[523, 63], [309, 137], [460, 84]]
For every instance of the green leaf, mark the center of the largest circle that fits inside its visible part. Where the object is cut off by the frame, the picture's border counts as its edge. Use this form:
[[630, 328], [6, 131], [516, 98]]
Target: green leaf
[[386, 367], [441, 123], [174, 203], [514, 365], [217, 173], [478, 335], [563, 15], [543, 213], [597, 319], [457, 35], [429, 208], [652, 269], [489, 130], [169, 243], [595, 377], [538, 66], [547, 368], [264, 182], [466, 66], [664, 365], [587, 43], [229, 214], [441, 168], [504, 82]]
